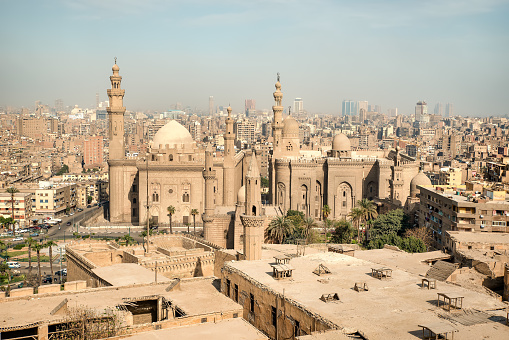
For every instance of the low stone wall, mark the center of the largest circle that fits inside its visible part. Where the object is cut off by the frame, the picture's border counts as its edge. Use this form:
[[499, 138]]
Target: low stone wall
[[49, 289]]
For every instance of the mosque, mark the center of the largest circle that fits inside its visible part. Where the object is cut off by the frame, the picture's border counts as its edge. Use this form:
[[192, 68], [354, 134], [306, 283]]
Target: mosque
[[226, 190]]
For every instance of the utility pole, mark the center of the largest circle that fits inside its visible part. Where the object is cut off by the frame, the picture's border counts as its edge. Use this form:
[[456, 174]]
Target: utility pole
[[60, 264]]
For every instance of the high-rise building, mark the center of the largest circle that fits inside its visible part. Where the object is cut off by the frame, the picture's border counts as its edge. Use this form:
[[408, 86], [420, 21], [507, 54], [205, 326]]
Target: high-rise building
[[93, 151], [59, 105], [250, 107], [211, 105], [97, 100], [449, 110], [298, 106], [439, 109], [245, 130], [349, 108], [363, 104], [421, 110]]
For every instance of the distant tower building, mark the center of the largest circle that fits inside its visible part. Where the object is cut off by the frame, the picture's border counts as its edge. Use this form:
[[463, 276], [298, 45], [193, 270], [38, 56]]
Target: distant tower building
[[439, 109], [363, 104], [363, 115], [59, 105], [378, 109], [298, 106], [250, 106], [211, 105], [421, 110], [449, 110], [97, 100], [349, 108]]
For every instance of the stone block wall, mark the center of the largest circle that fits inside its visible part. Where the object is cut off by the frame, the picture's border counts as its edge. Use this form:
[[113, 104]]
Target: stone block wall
[[290, 313], [49, 289], [21, 292]]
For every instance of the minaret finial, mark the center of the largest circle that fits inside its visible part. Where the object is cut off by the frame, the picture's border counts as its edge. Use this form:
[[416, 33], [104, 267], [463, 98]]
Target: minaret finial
[[115, 60], [289, 110], [278, 76]]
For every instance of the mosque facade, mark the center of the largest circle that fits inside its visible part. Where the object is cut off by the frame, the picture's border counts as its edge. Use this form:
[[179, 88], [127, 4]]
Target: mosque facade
[[175, 172]]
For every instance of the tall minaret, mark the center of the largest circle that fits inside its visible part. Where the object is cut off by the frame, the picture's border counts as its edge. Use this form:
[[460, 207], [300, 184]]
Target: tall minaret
[[229, 166], [277, 123], [253, 191], [209, 174], [116, 112], [253, 220]]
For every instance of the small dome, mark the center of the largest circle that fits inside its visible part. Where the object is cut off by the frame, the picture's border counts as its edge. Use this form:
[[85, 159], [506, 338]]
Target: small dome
[[241, 195], [115, 68], [341, 143], [419, 179], [290, 127], [172, 133]]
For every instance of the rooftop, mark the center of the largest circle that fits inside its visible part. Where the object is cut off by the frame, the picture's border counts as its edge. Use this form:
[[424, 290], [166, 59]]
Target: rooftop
[[469, 237], [394, 306]]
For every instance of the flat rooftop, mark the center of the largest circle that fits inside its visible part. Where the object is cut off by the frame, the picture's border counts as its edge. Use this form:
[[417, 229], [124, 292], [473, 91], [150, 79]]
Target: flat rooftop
[[196, 296], [470, 237], [123, 274], [452, 195], [234, 329], [392, 308]]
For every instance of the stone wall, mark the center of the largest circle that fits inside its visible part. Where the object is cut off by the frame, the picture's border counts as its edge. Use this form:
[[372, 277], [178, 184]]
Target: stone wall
[[506, 283], [290, 312]]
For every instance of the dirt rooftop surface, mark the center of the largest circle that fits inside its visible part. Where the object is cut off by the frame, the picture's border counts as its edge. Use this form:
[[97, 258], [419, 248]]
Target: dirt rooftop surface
[[196, 296], [231, 329], [391, 309], [123, 274]]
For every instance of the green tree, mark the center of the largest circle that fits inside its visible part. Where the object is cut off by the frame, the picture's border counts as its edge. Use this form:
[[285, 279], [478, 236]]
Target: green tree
[[128, 239], [38, 247], [171, 212], [356, 215], [278, 228], [63, 170], [308, 225], [296, 217], [325, 211], [29, 243], [89, 199], [50, 244], [12, 191], [6, 271], [389, 223], [194, 212], [344, 232], [369, 212], [264, 182]]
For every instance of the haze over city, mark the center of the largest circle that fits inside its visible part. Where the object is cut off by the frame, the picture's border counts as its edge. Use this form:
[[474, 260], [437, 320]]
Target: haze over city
[[391, 53]]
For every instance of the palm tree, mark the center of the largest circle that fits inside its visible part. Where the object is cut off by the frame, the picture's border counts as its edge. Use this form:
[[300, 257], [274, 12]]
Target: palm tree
[[325, 211], [356, 217], [278, 229], [12, 191], [194, 212], [37, 247], [50, 244], [309, 224], [171, 211], [368, 209], [29, 243]]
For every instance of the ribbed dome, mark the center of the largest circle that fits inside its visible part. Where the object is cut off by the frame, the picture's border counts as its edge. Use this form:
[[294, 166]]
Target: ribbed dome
[[172, 133], [290, 127], [241, 195], [419, 179], [341, 143]]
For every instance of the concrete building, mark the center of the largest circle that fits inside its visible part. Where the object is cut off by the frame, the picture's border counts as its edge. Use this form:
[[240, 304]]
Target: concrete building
[[93, 153], [450, 177], [22, 207], [462, 208]]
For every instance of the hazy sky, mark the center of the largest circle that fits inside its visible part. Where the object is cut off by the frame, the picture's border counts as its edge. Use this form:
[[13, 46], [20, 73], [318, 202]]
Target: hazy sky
[[390, 53]]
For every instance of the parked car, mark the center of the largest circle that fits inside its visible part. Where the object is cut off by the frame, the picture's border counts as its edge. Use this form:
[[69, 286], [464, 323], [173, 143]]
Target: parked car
[[19, 238], [63, 271], [34, 234], [68, 223], [48, 279], [13, 265]]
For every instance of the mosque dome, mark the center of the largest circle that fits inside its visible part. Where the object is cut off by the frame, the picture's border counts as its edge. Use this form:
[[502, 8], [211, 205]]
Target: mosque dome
[[115, 67], [290, 127], [341, 143], [241, 195], [172, 133], [419, 179]]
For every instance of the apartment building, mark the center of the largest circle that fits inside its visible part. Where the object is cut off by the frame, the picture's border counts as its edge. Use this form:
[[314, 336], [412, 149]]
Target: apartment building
[[50, 199], [22, 207], [446, 208], [450, 176]]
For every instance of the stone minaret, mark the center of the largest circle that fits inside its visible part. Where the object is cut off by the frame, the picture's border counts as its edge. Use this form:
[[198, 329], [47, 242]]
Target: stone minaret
[[253, 220], [277, 123], [229, 166], [116, 112], [396, 181], [209, 174]]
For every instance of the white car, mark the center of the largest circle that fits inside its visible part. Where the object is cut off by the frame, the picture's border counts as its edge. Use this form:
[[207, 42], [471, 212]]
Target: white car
[[19, 238], [13, 265]]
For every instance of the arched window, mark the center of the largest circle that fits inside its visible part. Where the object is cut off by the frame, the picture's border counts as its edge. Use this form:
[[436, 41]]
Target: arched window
[[170, 158], [254, 210], [185, 197]]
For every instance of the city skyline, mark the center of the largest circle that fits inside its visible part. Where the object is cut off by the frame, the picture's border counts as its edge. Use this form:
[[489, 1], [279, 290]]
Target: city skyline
[[399, 53]]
